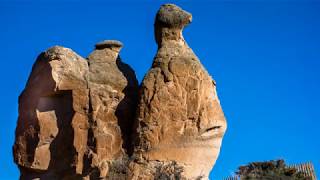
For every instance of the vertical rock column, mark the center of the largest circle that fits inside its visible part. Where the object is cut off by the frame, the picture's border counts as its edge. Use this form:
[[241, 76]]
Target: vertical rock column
[[180, 123], [113, 96]]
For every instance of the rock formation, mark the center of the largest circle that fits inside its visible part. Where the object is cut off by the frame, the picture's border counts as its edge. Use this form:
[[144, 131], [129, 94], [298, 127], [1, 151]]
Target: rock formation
[[55, 98], [84, 119], [113, 97], [180, 122], [75, 116]]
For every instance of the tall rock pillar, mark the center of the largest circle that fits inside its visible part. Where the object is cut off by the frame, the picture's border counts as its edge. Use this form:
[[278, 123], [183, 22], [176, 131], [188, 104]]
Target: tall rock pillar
[[180, 123], [113, 98]]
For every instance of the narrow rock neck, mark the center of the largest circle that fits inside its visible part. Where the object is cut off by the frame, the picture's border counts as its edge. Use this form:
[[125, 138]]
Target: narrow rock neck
[[112, 53], [164, 35], [106, 55]]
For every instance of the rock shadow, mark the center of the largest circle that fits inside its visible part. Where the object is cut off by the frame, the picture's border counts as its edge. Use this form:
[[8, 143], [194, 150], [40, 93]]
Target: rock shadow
[[126, 108]]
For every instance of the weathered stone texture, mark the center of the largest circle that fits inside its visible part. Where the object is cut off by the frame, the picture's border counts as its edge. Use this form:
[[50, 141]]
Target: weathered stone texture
[[44, 134], [113, 96], [75, 114], [180, 120], [84, 119]]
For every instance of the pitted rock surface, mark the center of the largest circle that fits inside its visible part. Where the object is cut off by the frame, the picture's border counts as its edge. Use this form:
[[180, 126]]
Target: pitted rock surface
[[88, 118], [180, 120], [113, 98], [75, 115]]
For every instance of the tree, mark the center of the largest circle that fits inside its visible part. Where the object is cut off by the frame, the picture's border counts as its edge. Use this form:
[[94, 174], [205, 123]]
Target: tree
[[271, 170]]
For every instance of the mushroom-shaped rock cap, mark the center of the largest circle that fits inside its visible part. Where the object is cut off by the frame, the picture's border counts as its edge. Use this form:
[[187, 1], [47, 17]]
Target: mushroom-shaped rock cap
[[109, 44], [170, 15]]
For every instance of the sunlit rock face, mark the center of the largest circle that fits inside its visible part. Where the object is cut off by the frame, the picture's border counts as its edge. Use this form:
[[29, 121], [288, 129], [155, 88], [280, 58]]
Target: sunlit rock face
[[85, 119], [180, 123], [75, 115], [113, 98], [55, 98]]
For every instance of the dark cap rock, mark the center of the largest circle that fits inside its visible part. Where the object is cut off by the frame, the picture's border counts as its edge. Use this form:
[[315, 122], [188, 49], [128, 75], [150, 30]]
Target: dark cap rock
[[109, 44]]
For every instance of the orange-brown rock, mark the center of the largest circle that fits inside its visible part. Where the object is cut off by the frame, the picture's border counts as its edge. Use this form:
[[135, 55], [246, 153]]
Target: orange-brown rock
[[84, 119], [54, 98], [180, 123], [75, 115], [113, 98]]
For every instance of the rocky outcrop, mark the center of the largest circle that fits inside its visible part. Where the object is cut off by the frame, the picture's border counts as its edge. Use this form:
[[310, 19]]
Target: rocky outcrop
[[55, 98], [180, 120], [113, 97], [84, 119], [75, 114]]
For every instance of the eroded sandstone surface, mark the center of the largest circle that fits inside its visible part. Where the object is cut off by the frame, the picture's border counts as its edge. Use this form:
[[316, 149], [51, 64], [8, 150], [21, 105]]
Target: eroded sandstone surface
[[180, 120], [75, 114], [88, 118]]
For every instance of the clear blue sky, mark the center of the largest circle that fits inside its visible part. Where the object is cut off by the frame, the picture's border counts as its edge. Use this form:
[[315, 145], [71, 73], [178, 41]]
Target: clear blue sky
[[265, 57]]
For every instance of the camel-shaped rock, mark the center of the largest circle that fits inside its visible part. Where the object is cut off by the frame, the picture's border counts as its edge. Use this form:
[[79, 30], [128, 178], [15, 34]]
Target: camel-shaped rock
[[180, 120], [88, 118]]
